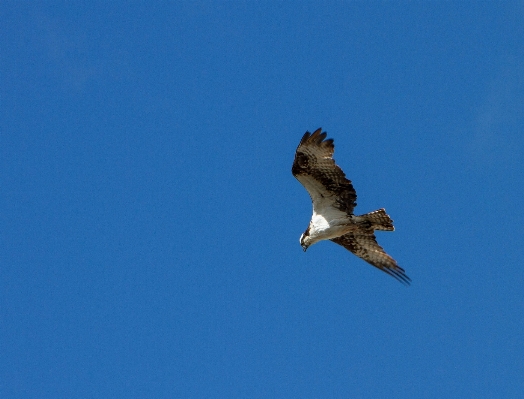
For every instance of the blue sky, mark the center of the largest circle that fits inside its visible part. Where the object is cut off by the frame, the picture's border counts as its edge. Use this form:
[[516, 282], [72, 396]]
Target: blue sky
[[149, 220]]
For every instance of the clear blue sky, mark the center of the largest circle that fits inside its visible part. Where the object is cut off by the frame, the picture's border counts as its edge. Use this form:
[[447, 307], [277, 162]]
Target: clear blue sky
[[149, 221]]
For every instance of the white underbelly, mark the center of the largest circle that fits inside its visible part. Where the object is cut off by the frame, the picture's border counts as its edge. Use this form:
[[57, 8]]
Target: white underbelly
[[325, 229]]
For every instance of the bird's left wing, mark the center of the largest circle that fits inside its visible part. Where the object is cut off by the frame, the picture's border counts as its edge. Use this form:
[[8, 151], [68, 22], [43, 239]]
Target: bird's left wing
[[315, 168]]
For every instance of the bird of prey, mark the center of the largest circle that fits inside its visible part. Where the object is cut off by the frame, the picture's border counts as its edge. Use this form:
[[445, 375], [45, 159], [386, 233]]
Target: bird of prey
[[334, 200]]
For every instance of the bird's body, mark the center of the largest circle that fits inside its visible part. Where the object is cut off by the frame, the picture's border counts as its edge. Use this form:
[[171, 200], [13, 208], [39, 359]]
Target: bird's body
[[328, 224], [334, 200]]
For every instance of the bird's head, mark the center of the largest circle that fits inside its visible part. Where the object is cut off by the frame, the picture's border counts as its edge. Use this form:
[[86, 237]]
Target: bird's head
[[305, 240]]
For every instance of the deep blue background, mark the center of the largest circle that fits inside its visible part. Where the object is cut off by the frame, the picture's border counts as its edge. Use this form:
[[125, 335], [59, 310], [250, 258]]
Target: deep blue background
[[149, 221]]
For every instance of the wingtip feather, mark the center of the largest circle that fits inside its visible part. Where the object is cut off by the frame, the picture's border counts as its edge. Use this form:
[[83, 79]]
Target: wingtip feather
[[317, 137]]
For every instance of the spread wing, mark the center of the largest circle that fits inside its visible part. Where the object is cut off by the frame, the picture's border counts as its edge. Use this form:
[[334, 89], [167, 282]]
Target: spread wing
[[364, 245], [315, 168]]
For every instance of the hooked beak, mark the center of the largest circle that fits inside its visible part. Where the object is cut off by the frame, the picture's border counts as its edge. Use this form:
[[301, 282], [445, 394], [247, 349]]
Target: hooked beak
[[304, 247]]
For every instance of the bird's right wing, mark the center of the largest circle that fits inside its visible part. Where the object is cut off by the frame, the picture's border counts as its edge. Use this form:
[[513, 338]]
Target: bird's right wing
[[364, 245]]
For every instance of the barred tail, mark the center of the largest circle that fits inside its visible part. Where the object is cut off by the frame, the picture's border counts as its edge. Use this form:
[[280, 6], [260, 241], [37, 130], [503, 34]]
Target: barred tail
[[379, 220]]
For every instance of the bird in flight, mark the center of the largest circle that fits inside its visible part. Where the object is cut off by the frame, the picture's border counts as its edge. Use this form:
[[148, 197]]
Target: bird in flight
[[334, 200]]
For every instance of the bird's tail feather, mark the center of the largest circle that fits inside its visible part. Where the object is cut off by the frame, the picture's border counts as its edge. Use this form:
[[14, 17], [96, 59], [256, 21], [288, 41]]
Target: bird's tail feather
[[379, 220]]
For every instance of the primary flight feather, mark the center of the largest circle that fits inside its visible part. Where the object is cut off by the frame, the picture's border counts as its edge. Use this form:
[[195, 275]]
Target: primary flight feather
[[334, 200]]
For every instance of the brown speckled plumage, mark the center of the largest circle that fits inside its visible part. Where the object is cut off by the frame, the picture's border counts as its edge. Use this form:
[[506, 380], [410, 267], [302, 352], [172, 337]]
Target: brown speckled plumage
[[333, 195]]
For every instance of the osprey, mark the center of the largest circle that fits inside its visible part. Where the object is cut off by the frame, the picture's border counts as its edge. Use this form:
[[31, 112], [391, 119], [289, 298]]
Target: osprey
[[334, 199]]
